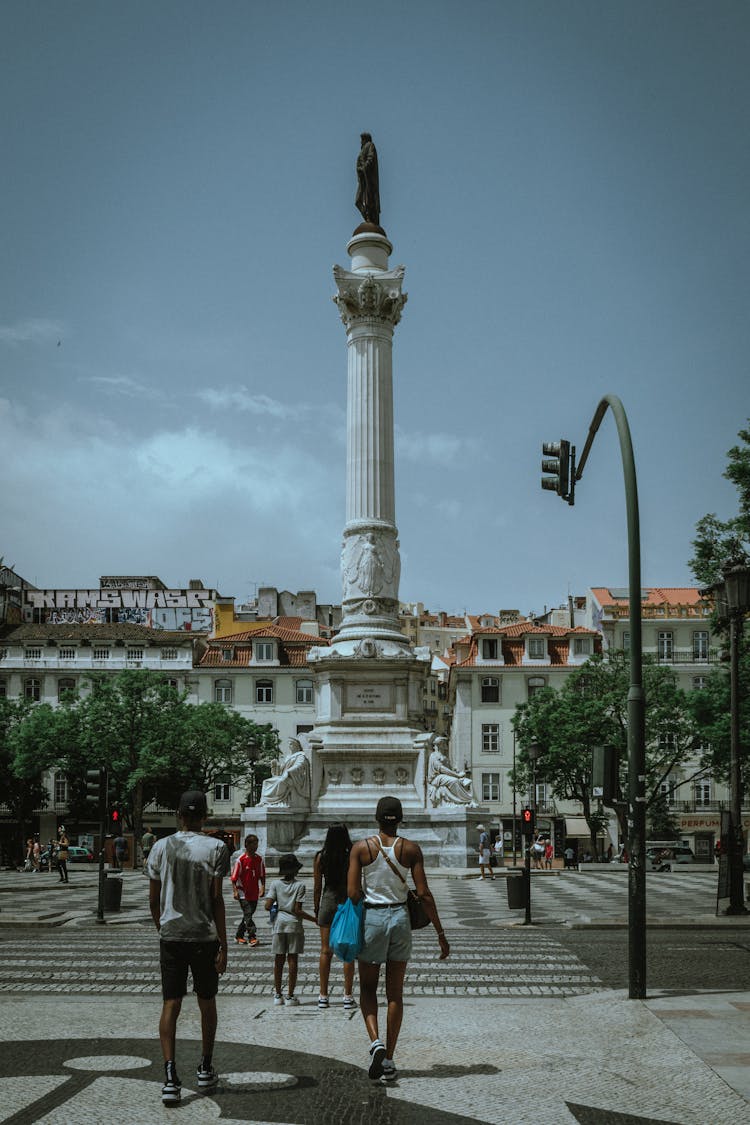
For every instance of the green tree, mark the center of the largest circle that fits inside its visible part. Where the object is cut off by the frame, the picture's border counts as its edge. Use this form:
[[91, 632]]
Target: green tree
[[719, 542], [23, 792], [220, 745], [591, 709]]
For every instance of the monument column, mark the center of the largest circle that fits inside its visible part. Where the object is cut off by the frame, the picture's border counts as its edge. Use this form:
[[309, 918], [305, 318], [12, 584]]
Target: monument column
[[370, 300]]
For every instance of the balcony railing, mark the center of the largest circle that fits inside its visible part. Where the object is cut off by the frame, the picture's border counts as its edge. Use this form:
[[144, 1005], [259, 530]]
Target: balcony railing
[[684, 656]]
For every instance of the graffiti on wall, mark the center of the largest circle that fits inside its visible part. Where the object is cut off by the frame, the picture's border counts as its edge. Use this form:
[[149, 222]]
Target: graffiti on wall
[[180, 610]]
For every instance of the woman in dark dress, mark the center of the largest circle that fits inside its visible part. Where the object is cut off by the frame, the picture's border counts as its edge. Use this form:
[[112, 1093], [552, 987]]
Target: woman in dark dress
[[329, 890]]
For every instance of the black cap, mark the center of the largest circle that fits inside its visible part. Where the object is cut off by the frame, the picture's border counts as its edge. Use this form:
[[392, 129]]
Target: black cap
[[389, 808], [192, 804], [289, 864]]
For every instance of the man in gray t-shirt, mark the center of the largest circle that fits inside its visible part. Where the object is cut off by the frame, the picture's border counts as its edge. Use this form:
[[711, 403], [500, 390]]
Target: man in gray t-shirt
[[185, 898]]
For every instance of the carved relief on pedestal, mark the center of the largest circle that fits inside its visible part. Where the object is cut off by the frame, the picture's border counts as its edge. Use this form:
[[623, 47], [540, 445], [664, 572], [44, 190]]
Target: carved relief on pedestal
[[369, 298], [402, 775], [334, 776], [357, 775], [370, 568], [378, 775]]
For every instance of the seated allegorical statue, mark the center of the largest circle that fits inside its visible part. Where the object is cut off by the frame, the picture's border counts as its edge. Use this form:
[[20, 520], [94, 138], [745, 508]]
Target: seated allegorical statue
[[290, 785], [446, 786]]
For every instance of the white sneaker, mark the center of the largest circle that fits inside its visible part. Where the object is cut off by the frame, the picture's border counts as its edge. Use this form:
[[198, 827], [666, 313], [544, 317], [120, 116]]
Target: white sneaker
[[349, 1003], [278, 998], [291, 1000], [322, 1001]]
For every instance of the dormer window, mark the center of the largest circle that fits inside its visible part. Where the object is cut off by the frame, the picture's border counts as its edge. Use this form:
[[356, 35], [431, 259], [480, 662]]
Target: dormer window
[[489, 648], [536, 648], [263, 651], [581, 646], [227, 654]]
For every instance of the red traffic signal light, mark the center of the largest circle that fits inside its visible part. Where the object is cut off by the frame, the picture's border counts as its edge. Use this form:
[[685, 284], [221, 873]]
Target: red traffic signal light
[[116, 815], [527, 821]]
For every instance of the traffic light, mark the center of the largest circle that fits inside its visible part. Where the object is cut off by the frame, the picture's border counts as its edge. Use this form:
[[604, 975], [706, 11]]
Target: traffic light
[[527, 821], [559, 460], [605, 768], [116, 817], [95, 786]]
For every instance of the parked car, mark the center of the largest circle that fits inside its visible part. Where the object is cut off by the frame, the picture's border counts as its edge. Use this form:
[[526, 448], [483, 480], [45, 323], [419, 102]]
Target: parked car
[[75, 855]]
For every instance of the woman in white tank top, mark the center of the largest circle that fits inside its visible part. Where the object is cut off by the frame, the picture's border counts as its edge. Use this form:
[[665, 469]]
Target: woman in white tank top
[[379, 870]]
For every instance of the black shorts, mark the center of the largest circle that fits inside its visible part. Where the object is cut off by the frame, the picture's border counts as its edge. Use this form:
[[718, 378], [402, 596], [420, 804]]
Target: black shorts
[[177, 957]]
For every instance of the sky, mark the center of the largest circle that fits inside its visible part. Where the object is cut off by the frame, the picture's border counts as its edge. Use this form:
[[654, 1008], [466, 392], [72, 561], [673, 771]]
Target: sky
[[566, 183]]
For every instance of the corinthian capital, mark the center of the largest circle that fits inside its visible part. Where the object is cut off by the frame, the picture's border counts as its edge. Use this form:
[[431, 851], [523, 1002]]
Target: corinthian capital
[[369, 297]]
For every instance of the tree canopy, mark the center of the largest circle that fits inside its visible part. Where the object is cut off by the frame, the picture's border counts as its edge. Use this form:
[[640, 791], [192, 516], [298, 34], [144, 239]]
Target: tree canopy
[[590, 709], [719, 542], [153, 743]]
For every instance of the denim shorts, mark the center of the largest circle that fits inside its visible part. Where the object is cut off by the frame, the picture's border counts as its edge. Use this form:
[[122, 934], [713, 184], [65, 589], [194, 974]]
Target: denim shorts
[[387, 934]]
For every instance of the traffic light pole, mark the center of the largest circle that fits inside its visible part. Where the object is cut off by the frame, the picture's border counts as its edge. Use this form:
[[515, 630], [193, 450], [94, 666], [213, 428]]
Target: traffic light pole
[[636, 704], [103, 804]]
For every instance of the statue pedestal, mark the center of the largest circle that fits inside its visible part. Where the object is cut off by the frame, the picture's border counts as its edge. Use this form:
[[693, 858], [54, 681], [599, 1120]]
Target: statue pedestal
[[447, 836]]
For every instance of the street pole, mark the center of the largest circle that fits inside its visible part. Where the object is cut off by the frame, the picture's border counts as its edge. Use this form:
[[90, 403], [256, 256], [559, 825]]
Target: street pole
[[737, 840], [514, 799], [636, 703]]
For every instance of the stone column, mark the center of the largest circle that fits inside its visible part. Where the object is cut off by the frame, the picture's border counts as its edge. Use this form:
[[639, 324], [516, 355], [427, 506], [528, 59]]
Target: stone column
[[370, 300]]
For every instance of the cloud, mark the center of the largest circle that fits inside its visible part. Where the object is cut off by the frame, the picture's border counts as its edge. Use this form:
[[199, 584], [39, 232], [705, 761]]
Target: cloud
[[122, 385], [434, 448], [34, 330], [168, 501], [242, 399]]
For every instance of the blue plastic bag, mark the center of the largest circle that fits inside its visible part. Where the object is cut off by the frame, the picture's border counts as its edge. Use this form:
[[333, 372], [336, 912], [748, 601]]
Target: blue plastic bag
[[347, 930]]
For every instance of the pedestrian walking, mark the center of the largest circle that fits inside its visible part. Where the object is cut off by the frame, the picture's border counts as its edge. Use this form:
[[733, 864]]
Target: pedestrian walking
[[378, 870], [28, 863], [185, 897], [148, 839], [288, 934], [549, 854], [330, 875], [248, 885], [63, 843], [485, 870], [36, 855], [121, 851]]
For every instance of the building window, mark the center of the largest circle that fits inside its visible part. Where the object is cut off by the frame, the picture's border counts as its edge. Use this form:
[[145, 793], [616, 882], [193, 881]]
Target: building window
[[222, 791], [169, 654], [32, 689], [61, 789], [702, 793], [3, 688], [489, 649], [699, 682], [667, 743], [490, 786], [664, 645], [223, 691], [173, 683], [263, 650], [101, 654], [442, 690], [581, 646], [700, 645], [227, 655], [626, 641], [264, 691], [67, 654], [668, 791], [535, 683], [542, 796], [490, 689], [304, 691], [135, 654], [32, 654], [304, 728], [490, 738], [536, 648], [66, 685]]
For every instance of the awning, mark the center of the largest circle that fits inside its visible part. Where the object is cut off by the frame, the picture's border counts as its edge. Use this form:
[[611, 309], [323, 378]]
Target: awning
[[578, 826]]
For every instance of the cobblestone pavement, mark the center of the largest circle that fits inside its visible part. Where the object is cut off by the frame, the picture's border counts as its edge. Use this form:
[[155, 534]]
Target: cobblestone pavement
[[518, 1025]]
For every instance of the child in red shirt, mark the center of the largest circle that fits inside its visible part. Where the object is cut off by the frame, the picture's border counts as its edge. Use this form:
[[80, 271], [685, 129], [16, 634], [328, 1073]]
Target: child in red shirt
[[248, 885]]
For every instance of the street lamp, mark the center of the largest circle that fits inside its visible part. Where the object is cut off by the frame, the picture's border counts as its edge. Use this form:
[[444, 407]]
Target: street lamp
[[534, 752], [636, 699], [732, 597]]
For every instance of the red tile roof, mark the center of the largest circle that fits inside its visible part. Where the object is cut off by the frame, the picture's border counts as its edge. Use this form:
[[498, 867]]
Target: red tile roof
[[653, 595]]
